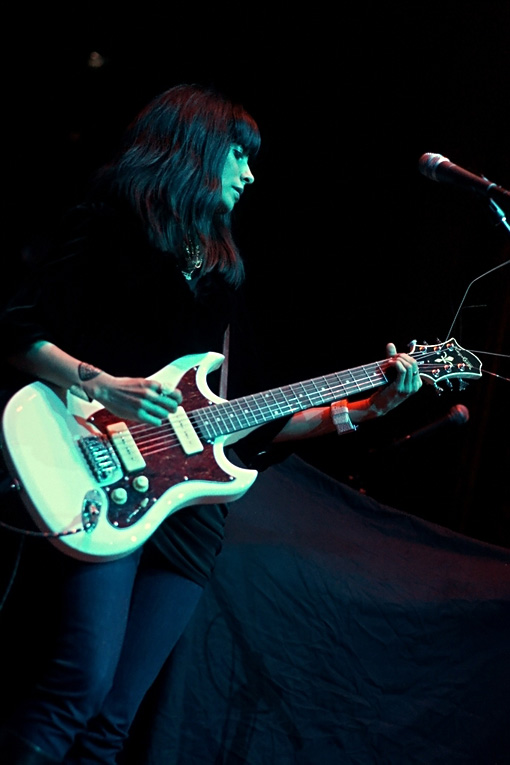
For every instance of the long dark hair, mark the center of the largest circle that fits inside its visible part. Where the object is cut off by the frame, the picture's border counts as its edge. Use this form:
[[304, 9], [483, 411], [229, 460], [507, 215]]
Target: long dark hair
[[169, 170]]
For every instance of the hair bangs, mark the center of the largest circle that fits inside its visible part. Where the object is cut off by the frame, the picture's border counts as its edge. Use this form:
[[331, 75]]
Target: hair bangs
[[245, 131]]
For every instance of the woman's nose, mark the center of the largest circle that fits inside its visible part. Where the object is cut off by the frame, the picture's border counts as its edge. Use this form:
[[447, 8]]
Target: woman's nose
[[247, 175]]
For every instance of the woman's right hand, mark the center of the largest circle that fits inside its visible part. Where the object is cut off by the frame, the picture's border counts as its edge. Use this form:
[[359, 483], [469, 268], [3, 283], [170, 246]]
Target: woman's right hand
[[131, 398], [134, 398]]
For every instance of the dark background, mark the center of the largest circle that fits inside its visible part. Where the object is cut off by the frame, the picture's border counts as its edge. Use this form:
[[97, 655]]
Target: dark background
[[347, 245]]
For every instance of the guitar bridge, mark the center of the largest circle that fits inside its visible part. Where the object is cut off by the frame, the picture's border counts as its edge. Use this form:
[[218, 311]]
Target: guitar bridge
[[101, 458]]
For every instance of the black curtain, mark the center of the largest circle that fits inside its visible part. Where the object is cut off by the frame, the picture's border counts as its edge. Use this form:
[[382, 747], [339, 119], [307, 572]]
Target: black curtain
[[337, 630]]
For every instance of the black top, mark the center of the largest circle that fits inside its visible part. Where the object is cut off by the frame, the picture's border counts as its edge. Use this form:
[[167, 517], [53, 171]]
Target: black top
[[109, 298]]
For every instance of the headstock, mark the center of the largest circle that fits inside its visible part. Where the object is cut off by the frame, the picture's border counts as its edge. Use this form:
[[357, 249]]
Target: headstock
[[444, 361]]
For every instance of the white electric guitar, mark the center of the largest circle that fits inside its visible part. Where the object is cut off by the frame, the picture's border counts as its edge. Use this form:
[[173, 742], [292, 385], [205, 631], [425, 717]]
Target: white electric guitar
[[98, 487]]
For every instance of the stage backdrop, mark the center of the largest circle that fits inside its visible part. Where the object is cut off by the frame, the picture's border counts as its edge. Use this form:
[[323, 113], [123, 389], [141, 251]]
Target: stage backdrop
[[337, 630]]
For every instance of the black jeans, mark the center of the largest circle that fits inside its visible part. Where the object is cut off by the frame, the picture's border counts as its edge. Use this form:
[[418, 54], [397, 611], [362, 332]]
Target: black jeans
[[119, 621]]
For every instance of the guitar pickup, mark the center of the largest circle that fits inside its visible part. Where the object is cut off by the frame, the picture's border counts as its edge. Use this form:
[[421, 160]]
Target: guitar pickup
[[125, 446], [185, 432]]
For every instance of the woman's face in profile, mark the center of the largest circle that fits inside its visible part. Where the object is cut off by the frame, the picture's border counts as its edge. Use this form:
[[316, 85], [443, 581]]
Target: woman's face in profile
[[235, 176]]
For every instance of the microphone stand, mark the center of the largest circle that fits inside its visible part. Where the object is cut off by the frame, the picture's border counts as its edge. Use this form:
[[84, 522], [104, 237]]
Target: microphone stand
[[498, 212]]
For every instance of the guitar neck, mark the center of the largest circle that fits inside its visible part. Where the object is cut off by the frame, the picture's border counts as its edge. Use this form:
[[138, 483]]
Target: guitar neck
[[259, 408]]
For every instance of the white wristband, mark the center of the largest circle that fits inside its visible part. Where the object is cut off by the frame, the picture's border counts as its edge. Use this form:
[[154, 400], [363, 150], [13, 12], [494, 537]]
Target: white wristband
[[341, 418]]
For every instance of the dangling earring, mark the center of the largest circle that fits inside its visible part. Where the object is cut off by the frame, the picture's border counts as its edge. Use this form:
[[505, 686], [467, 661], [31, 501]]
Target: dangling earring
[[194, 259]]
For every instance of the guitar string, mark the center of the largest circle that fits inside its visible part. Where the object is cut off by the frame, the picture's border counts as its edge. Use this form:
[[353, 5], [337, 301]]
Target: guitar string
[[149, 437], [340, 389]]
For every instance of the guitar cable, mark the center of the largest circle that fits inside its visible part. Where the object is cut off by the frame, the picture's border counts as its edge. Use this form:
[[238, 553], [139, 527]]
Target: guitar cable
[[43, 534], [23, 534], [10, 583]]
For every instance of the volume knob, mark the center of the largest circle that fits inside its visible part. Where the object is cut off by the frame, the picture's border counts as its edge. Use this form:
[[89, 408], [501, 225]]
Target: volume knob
[[119, 496], [141, 483]]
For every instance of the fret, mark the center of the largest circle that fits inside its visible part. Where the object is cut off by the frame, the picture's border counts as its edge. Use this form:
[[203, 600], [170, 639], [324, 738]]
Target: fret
[[239, 415], [382, 373], [294, 402], [270, 408], [316, 393], [206, 424], [259, 403], [279, 399], [374, 373], [244, 414], [339, 388], [354, 374], [273, 407], [303, 398]]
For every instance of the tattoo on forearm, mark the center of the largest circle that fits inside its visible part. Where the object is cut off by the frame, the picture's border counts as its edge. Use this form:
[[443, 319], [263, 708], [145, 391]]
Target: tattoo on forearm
[[87, 372]]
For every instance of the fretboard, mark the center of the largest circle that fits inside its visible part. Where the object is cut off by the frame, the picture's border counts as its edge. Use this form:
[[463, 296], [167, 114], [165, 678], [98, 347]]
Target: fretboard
[[256, 409]]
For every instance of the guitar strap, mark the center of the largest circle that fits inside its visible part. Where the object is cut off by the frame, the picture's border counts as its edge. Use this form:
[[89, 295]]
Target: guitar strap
[[224, 366]]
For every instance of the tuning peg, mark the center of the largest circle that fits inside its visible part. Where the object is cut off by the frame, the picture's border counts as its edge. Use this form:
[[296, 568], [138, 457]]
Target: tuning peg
[[462, 384]]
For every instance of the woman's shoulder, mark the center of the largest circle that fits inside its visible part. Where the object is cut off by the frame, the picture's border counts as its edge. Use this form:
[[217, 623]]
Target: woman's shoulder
[[95, 232], [100, 217]]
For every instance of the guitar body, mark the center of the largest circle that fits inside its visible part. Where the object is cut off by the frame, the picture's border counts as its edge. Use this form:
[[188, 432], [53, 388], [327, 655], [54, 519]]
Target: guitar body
[[44, 430]]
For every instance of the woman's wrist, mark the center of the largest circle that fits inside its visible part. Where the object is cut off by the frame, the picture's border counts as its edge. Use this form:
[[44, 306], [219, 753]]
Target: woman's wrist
[[86, 388], [340, 417], [364, 410]]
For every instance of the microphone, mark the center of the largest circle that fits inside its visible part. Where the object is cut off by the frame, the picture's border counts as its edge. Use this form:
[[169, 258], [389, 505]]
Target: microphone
[[458, 415], [439, 168]]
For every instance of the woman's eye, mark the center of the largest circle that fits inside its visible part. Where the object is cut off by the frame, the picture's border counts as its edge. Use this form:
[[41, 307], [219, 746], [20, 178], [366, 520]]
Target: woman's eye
[[238, 153]]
